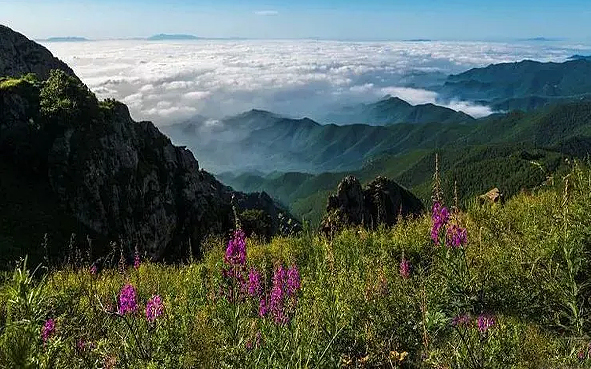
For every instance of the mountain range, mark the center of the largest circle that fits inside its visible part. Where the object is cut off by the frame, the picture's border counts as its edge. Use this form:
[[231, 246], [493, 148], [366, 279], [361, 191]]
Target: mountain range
[[392, 110], [525, 85], [579, 57], [166, 37], [66, 39], [89, 168], [252, 140], [510, 151]]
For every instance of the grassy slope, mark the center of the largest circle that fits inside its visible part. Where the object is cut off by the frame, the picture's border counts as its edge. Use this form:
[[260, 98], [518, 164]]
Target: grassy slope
[[522, 264]]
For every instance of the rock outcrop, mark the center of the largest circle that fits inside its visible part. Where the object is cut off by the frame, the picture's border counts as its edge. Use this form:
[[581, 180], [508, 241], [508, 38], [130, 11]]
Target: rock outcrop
[[382, 202], [121, 180], [19, 55], [493, 196]]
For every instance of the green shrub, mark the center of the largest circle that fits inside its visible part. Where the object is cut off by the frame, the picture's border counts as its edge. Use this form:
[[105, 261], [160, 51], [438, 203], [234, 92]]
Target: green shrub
[[65, 100]]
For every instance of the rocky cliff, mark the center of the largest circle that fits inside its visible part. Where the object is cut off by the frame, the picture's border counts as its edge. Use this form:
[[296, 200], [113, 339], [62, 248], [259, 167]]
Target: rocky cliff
[[119, 179]]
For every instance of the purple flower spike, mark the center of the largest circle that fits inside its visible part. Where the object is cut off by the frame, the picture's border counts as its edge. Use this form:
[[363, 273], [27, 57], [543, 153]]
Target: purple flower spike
[[154, 308], [236, 250], [48, 329], [93, 269], [404, 268], [485, 322], [263, 308], [127, 300], [293, 280], [254, 283], [435, 234], [456, 236], [278, 292], [440, 218]]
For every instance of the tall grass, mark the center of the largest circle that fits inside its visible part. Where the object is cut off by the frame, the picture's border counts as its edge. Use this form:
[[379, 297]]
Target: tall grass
[[516, 295]]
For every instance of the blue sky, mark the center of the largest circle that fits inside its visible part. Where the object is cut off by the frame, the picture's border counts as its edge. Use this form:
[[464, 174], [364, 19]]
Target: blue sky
[[328, 19]]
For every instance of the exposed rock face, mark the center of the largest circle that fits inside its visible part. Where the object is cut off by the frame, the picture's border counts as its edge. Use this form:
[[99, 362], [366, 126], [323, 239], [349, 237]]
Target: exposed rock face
[[350, 200], [19, 55], [383, 201], [493, 196], [120, 179], [123, 179]]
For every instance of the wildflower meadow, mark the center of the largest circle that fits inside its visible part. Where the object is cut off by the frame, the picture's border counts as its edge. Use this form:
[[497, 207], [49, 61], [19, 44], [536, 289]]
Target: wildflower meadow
[[488, 286]]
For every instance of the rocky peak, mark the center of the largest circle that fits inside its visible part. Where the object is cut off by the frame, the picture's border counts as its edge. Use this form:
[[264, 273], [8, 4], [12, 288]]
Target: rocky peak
[[19, 55], [382, 202], [350, 198]]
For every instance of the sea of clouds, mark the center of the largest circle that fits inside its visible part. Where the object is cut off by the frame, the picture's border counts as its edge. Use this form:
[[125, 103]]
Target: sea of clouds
[[167, 82]]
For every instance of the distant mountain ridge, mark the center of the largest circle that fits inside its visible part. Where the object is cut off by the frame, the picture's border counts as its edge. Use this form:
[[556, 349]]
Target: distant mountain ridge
[[501, 150], [164, 37], [66, 39], [523, 85], [393, 110], [263, 141], [251, 141], [580, 57], [542, 39]]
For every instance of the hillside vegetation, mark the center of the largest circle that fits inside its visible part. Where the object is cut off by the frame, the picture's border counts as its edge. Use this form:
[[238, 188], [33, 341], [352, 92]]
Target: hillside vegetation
[[524, 85], [472, 169], [511, 291], [514, 152]]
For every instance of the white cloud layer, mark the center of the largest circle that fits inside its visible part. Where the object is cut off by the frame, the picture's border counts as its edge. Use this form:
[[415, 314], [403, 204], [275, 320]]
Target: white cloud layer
[[170, 81], [417, 96]]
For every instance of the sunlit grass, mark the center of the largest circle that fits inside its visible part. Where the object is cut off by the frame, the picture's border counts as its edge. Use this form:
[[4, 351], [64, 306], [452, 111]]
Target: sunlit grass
[[525, 264]]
